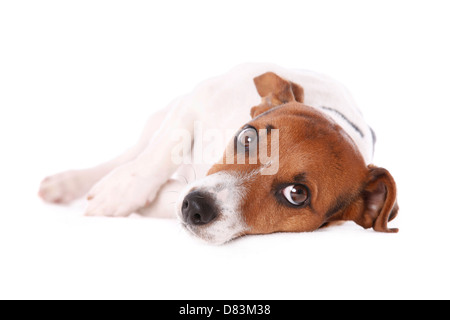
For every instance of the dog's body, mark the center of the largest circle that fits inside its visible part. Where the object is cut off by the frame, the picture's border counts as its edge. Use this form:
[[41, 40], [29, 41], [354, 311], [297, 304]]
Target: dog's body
[[144, 175]]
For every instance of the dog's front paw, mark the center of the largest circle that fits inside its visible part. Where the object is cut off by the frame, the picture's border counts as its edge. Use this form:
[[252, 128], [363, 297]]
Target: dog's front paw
[[120, 194], [64, 187]]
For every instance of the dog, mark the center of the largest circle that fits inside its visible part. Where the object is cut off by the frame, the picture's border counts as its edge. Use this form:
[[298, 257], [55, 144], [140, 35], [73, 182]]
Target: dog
[[316, 168]]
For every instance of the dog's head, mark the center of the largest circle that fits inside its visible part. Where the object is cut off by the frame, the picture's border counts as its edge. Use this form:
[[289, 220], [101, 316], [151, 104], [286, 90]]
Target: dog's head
[[318, 175]]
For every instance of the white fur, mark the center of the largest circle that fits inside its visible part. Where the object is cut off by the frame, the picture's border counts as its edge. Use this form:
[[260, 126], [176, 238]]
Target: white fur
[[132, 181], [228, 192]]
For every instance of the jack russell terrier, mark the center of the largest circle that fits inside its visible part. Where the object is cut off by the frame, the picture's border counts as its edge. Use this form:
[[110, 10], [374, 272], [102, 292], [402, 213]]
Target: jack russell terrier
[[298, 160]]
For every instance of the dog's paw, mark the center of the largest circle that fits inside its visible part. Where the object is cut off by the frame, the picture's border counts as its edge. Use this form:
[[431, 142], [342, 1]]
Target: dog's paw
[[120, 194], [64, 187]]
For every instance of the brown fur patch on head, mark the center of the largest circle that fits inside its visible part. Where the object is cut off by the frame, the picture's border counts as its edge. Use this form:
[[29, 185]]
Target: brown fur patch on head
[[317, 154]]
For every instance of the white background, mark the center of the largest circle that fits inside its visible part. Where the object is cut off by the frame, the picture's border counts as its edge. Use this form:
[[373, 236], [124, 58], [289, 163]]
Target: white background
[[78, 80]]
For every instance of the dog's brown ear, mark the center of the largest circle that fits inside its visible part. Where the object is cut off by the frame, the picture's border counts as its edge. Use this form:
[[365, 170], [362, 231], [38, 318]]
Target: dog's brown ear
[[275, 91], [378, 205]]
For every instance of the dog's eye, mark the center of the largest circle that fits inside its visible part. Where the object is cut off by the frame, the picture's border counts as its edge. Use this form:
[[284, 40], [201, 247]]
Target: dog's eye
[[247, 137], [296, 194]]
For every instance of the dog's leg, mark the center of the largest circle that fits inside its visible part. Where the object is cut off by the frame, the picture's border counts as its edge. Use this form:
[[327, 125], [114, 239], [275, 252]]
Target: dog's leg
[[67, 186], [135, 184]]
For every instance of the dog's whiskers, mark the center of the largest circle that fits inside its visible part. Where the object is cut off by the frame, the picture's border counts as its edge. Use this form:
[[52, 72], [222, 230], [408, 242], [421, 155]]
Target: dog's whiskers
[[174, 191], [195, 173], [185, 179]]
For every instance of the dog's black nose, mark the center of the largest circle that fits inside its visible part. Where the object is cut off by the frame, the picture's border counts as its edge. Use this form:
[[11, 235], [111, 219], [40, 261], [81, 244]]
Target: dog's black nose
[[199, 208]]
